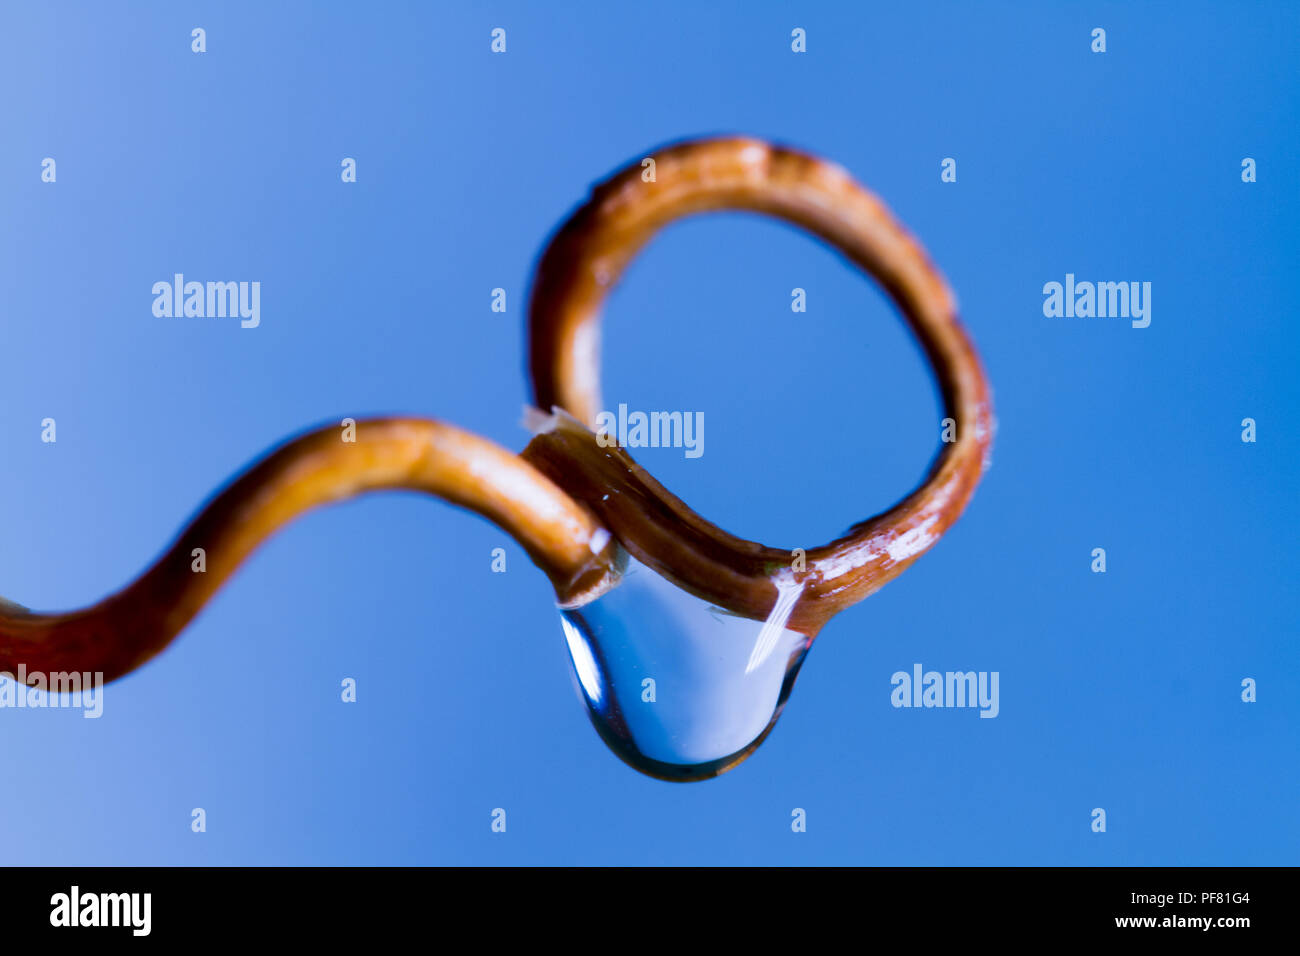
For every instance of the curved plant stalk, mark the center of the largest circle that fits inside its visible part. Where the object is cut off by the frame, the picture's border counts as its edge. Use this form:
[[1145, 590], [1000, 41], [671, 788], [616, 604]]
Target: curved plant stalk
[[123, 631], [585, 259]]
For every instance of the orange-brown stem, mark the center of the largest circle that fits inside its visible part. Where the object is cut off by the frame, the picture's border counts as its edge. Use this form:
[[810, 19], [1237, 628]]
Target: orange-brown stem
[[123, 631], [585, 259]]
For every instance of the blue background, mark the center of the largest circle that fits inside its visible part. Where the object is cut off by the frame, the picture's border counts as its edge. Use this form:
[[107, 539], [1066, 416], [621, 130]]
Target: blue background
[[1119, 690]]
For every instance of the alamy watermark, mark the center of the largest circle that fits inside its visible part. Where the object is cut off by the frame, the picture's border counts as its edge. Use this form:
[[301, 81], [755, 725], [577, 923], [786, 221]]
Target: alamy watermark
[[1102, 300], [37, 690], [947, 689], [212, 300], [651, 430], [129, 910]]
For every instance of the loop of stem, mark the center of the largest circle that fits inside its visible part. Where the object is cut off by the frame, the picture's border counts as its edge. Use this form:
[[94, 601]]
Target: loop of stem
[[583, 262]]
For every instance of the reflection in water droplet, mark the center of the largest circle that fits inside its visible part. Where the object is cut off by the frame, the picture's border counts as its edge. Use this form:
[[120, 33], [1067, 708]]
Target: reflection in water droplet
[[719, 680]]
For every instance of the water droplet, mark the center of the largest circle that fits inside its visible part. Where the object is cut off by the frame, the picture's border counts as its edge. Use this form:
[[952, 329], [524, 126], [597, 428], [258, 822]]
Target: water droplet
[[678, 688]]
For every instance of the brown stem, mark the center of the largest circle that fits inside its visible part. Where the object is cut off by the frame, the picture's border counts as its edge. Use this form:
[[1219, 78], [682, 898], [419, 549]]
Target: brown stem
[[584, 261], [123, 631]]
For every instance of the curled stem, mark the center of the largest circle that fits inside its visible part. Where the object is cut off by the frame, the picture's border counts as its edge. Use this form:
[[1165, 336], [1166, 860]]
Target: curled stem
[[583, 262]]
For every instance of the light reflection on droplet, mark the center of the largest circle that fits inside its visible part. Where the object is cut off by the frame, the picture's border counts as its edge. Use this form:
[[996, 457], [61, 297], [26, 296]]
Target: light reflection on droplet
[[584, 665]]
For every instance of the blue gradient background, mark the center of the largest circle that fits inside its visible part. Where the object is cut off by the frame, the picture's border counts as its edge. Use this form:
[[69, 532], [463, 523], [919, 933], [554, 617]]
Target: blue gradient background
[[1118, 690]]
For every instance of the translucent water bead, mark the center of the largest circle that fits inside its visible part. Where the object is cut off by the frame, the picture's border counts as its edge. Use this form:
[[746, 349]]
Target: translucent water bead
[[678, 688]]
